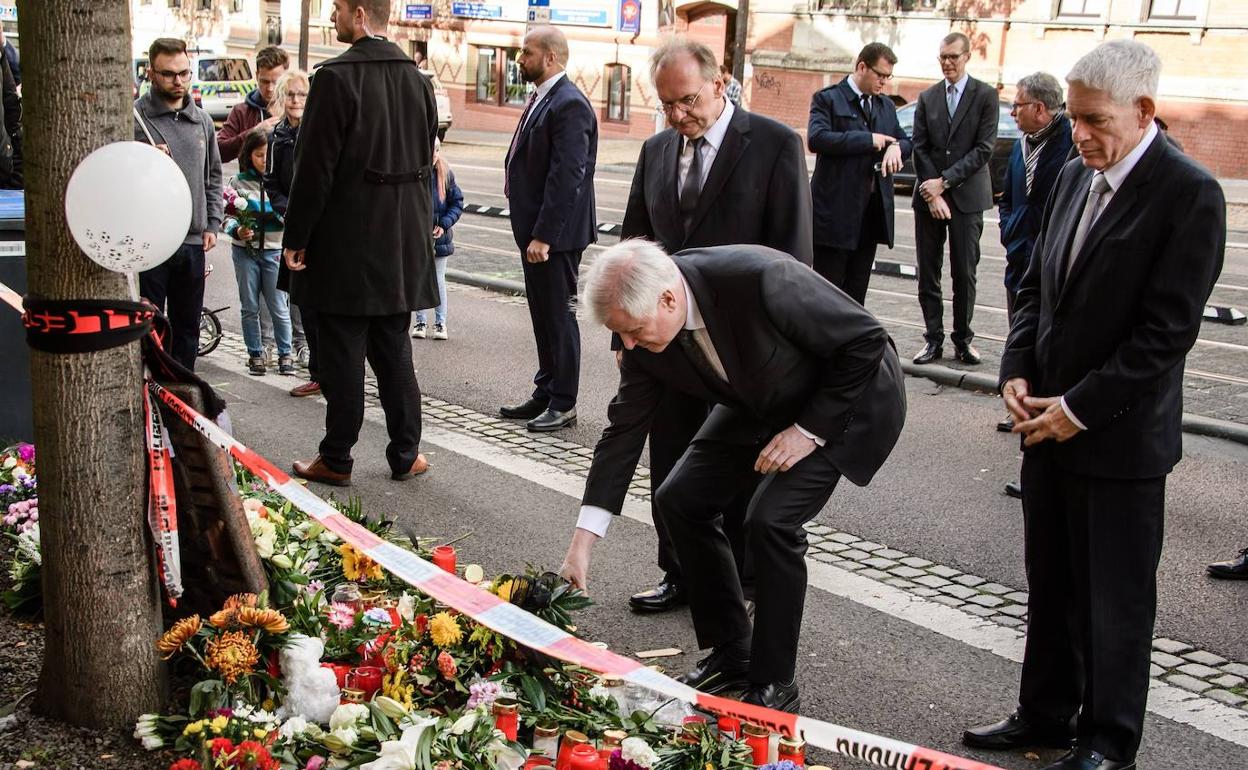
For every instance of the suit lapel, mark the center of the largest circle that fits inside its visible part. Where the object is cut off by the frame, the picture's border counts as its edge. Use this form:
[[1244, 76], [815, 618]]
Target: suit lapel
[[661, 181], [964, 104], [1073, 200], [718, 326], [736, 139], [539, 109]]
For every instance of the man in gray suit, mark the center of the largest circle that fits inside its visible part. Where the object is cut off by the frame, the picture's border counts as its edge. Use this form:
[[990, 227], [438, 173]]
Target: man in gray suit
[[955, 128]]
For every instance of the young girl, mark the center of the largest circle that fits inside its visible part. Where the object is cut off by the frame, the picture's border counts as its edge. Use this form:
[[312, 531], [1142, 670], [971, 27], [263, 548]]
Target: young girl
[[257, 248], [448, 204]]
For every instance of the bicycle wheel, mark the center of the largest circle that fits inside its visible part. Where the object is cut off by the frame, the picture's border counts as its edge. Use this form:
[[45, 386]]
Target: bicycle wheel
[[209, 332]]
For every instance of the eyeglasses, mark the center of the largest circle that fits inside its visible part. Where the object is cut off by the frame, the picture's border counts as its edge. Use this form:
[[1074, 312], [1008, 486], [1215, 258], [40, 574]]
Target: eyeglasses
[[952, 56], [296, 95], [1016, 106], [171, 75], [685, 104], [881, 75]]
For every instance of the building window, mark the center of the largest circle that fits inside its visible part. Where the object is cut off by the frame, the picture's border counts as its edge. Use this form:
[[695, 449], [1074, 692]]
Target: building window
[[619, 84], [1177, 10], [916, 5], [1081, 8], [238, 6], [498, 77]]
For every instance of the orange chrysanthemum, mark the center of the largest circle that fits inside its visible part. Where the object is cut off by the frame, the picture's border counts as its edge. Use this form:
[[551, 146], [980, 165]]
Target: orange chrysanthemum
[[233, 655], [240, 600], [180, 634], [271, 621]]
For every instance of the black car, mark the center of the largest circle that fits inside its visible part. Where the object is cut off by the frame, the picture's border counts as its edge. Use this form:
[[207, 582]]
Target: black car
[[1007, 135]]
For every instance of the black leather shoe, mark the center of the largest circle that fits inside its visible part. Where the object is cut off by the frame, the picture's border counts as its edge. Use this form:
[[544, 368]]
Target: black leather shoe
[[1006, 425], [663, 597], [526, 411], [550, 420], [1235, 569], [1014, 489], [1015, 732], [1087, 759], [929, 353], [724, 669], [966, 354], [773, 695]]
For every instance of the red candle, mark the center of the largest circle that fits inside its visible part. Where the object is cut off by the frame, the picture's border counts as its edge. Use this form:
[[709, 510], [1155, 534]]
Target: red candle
[[444, 557], [584, 757], [340, 672], [756, 737], [571, 740], [792, 749], [730, 728], [366, 678], [507, 717]]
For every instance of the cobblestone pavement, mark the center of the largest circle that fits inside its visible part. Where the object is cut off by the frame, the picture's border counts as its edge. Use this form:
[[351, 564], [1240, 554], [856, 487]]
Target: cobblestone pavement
[[1174, 662]]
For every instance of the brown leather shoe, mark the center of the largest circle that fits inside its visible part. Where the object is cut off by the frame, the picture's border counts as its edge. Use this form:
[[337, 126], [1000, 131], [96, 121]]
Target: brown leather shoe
[[306, 389], [317, 470], [419, 466]]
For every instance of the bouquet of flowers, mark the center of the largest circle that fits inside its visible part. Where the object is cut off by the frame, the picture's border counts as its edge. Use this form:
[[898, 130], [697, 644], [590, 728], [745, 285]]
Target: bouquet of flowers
[[19, 522], [242, 212]]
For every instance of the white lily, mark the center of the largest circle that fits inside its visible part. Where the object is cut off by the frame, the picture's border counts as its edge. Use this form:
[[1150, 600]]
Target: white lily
[[401, 754]]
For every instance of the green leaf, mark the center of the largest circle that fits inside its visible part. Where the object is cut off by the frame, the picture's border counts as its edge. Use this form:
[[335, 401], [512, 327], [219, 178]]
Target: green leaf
[[206, 694], [382, 724], [534, 692]]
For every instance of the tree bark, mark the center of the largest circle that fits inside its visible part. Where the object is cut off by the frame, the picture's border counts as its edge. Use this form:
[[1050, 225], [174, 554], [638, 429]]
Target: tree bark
[[739, 42], [100, 591], [305, 12]]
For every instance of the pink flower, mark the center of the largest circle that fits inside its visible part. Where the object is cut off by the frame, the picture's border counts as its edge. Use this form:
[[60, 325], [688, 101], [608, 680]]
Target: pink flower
[[26, 452], [342, 615], [446, 665], [315, 762]]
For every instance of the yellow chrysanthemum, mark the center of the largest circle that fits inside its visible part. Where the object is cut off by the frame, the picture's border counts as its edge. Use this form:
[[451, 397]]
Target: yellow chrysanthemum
[[233, 655], [505, 589], [218, 724], [357, 566], [444, 630], [180, 634], [271, 621], [194, 728]]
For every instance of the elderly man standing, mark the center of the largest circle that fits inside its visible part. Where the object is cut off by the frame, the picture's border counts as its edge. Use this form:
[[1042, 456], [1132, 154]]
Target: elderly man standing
[[1130, 245], [807, 388], [1029, 178], [955, 127], [549, 184], [357, 235]]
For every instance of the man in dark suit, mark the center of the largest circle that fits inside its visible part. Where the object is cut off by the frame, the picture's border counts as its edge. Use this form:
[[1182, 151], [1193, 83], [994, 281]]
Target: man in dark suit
[[854, 133], [1037, 156], [549, 183], [750, 188], [807, 388], [955, 127], [357, 234], [1130, 245]]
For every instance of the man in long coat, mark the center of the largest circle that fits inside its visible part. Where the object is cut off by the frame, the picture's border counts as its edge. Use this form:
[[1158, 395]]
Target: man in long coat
[[357, 234]]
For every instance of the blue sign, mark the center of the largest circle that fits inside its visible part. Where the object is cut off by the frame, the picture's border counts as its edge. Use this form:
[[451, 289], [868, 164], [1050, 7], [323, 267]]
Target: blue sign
[[539, 3], [477, 10], [630, 16], [418, 12], [582, 17]]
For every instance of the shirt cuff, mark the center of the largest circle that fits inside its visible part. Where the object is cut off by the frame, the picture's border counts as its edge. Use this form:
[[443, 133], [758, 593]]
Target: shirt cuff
[[1071, 415], [810, 435], [594, 519]]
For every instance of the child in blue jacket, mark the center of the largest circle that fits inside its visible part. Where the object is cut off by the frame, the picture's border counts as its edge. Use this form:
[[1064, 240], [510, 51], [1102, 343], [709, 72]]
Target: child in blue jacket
[[448, 204]]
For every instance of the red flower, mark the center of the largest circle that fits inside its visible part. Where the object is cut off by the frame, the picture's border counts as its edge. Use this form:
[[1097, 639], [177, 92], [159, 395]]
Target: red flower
[[219, 746], [422, 624], [446, 665], [185, 764], [253, 756]]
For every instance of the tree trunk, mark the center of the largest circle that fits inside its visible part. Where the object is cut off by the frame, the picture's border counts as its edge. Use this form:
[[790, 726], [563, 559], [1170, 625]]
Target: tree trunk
[[738, 44], [305, 12], [100, 592]]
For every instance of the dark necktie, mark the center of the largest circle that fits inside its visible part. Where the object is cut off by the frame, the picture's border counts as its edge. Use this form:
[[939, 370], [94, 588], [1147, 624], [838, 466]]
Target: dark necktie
[[866, 111], [515, 139], [702, 364], [692, 187]]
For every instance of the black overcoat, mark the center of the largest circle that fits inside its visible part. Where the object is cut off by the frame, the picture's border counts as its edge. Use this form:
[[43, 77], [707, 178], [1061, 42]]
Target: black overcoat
[[360, 201]]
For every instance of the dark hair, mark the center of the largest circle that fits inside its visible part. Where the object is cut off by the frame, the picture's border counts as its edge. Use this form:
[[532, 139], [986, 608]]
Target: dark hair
[[271, 58], [377, 11], [957, 37], [873, 52], [255, 139], [165, 46]]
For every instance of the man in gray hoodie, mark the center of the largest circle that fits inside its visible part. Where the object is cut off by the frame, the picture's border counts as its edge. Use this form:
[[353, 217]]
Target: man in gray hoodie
[[168, 118]]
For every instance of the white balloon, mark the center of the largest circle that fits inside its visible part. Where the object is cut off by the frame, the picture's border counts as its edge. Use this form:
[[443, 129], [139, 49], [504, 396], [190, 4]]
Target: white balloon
[[128, 206]]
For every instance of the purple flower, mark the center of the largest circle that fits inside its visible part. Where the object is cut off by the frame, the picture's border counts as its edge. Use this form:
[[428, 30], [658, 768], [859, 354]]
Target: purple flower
[[781, 765], [26, 452], [6, 489], [482, 692], [377, 616]]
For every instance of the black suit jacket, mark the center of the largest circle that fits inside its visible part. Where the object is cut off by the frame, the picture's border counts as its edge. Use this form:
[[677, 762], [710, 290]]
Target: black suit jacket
[[756, 191], [551, 173], [1113, 335], [958, 151], [796, 350], [840, 137]]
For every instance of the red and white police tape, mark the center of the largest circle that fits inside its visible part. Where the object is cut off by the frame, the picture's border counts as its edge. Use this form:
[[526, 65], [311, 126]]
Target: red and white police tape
[[525, 628]]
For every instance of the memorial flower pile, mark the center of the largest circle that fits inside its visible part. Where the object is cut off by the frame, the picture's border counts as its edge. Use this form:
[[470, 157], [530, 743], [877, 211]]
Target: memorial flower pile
[[19, 523]]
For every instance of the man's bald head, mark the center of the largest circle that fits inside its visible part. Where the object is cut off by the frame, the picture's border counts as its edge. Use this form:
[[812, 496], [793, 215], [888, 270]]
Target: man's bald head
[[552, 40], [544, 54]]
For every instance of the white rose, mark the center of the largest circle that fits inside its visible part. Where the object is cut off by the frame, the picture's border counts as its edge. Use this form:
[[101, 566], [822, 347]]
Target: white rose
[[292, 727], [347, 715], [638, 752]]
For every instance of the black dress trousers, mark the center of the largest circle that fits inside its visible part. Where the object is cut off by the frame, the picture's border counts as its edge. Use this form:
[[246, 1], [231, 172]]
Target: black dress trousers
[[963, 232], [343, 343], [176, 287], [850, 269], [550, 288], [1092, 546]]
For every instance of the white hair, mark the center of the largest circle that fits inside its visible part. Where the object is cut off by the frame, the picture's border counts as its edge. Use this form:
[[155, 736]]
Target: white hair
[[1124, 69], [630, 276]]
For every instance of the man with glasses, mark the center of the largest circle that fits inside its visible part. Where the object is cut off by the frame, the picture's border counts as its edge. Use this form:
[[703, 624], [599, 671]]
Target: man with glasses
[[253, 111], [955, 128], [859, 145], [166, 116], [717, 176], [550, 186]]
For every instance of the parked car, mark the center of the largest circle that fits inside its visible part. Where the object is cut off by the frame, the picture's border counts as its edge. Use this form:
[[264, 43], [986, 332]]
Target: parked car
[[222, 82], [443, 100], [1007, 135]]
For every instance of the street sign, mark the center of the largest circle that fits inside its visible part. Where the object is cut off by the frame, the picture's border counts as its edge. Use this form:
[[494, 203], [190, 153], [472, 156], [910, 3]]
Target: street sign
[[8, 13], [582, 17], [630, 16], [539, 14], [417, 12], [477, 10]]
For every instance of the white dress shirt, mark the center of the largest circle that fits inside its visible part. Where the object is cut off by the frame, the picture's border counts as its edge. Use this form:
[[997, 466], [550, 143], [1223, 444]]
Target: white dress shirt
[[596, 519], [1116, 175], [542, 92], [714, 137]]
